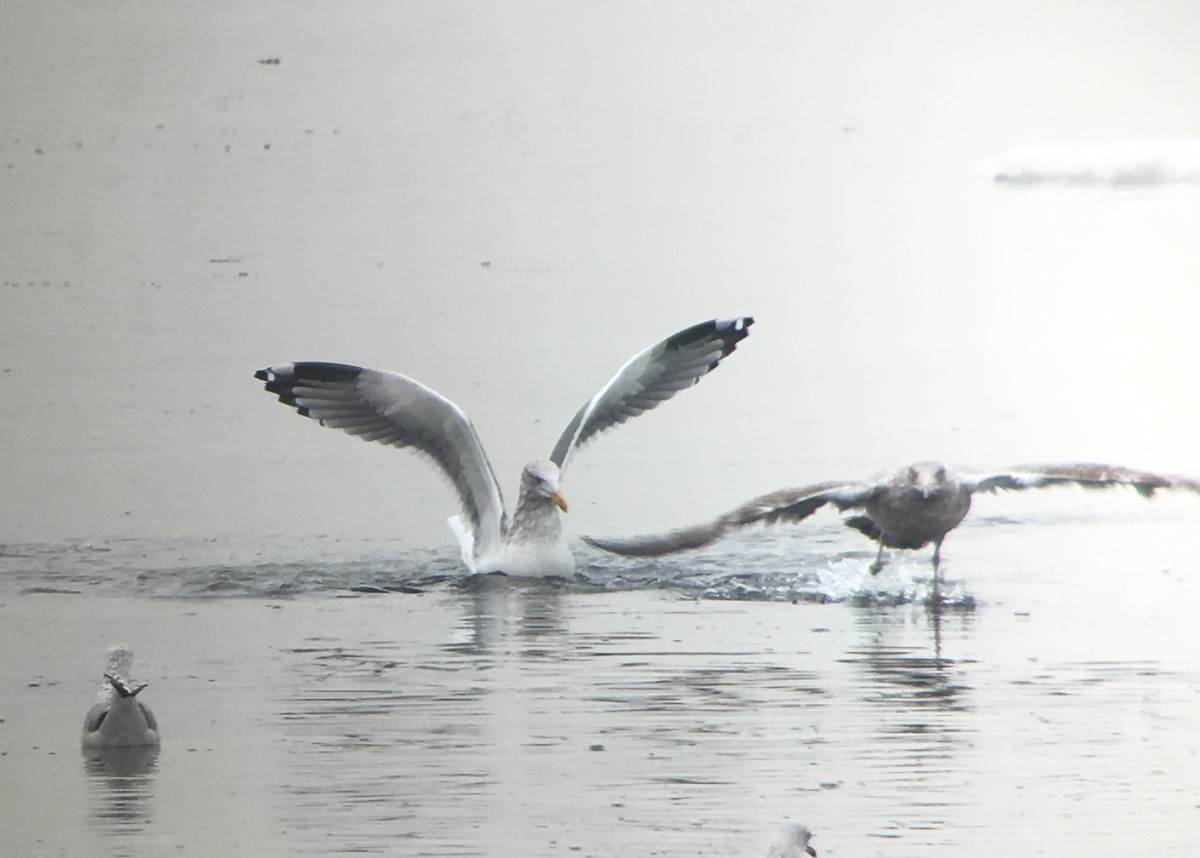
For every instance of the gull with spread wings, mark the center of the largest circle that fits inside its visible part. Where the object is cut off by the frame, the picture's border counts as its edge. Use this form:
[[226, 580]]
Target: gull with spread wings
[[911, 508], [395, 410]]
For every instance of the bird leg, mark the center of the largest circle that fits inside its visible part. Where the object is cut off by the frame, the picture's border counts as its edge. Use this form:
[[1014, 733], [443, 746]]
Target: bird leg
[[937, 635], [878, 565], [937, 576]]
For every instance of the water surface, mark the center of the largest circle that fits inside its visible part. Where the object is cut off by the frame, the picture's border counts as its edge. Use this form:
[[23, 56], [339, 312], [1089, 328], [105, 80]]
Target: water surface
[[505, 203]]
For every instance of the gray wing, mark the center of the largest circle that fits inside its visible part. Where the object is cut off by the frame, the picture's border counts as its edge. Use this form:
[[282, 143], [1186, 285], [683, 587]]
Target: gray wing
[[151, 721], [650, 378], [95, 717], [1089, 475], [788, 506], [659, 544], [779, 507], [393, 409]]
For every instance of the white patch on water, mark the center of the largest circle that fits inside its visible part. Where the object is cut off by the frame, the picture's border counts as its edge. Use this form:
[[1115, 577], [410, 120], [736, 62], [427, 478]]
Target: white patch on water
[[1122, 163]]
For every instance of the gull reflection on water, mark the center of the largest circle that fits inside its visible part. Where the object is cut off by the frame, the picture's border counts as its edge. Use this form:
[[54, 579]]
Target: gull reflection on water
[[925, 721], [499, 608], [121, 782], [396, 738]]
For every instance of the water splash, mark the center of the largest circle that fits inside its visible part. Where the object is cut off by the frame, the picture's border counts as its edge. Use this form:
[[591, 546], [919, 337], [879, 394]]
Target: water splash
[[776, 566]]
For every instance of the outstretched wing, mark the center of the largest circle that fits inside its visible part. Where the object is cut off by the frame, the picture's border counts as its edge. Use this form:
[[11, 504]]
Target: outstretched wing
[[659, 544], [779, 507], [652, 377], [1089, 475], [393, 409]]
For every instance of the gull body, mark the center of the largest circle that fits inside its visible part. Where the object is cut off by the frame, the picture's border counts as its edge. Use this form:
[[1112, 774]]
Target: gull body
[[911, 508], [790, 840], [118, 719], [396, 410]]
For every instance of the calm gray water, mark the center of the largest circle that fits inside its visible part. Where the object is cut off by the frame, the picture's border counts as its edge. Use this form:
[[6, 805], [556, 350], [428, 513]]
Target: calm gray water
[[506, 202]]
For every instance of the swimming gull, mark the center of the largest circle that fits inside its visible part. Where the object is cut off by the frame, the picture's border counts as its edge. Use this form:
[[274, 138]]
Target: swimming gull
[[909, 509], [790, 840], [118, 719], [396, 410]]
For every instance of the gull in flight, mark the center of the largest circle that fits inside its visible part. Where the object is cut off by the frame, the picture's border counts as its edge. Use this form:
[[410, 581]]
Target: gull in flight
[[790, 840], [911, 508], [118, 719], [396, 410]]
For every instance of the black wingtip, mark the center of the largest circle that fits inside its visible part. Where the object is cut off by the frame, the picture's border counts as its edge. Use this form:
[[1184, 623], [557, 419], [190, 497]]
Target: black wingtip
[[277, 379], [283, 380], [308, 370], [740, 325], [327, 372], [735, 330], [729, 331]]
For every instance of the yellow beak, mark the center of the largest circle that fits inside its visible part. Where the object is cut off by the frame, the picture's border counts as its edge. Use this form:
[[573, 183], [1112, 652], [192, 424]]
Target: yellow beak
[[559, 500]]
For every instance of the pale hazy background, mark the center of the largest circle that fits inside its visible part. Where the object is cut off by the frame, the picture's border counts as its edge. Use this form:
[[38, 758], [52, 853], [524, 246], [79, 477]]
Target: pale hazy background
[[507, 200]]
